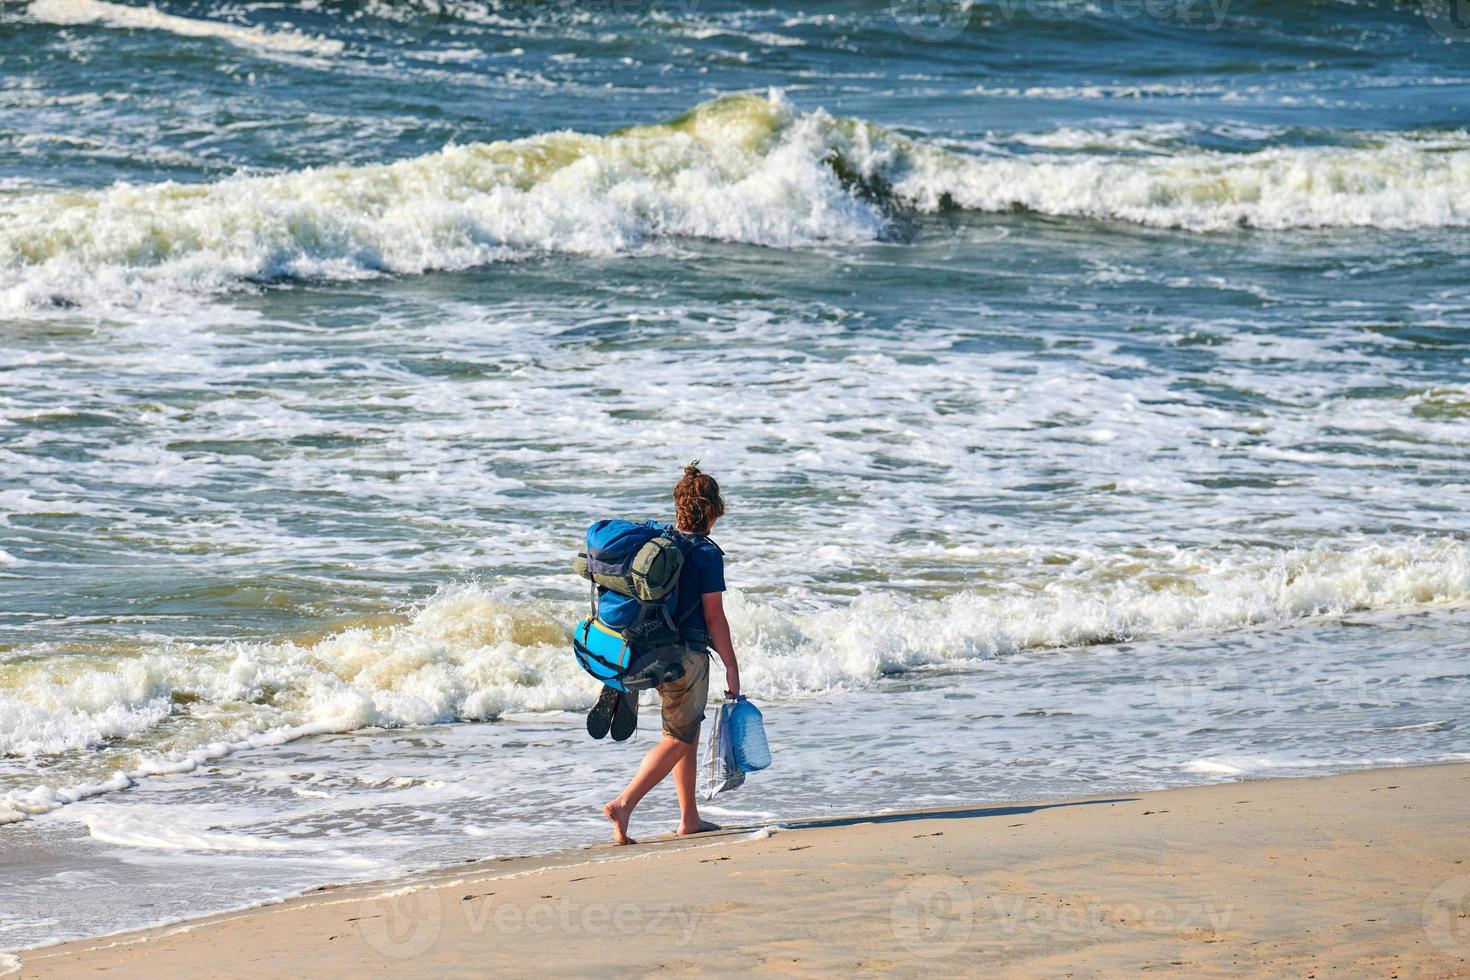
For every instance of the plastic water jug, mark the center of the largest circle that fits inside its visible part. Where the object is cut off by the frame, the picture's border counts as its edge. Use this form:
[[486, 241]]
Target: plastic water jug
[[748, 737]]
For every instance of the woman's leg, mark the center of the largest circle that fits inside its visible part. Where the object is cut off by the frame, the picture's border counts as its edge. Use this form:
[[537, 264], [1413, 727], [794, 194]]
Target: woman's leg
[[684, 773], [658, 763], [682, 703]]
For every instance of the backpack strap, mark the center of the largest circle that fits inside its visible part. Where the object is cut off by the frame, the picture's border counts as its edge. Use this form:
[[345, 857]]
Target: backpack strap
[[699, 637], [685, 538]]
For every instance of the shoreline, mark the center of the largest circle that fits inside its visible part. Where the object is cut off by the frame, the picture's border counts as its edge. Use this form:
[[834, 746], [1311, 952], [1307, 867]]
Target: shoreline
[[1105, 879]]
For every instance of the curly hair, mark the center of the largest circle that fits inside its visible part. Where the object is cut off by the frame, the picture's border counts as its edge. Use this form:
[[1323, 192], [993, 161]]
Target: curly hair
[[697, 500]]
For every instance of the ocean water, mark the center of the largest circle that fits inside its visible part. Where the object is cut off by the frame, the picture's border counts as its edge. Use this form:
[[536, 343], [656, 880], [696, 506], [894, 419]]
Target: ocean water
[[1090, 386]]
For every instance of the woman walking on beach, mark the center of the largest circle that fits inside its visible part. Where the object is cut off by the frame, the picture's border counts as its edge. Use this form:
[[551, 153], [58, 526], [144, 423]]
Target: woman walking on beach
[[697, 505]]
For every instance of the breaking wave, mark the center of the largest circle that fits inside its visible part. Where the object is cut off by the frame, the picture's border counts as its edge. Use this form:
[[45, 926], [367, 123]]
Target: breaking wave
[[474, 654], [742, 168]]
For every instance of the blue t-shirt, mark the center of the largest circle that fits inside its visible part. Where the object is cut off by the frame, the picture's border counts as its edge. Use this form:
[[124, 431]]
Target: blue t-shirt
[[704, 571]]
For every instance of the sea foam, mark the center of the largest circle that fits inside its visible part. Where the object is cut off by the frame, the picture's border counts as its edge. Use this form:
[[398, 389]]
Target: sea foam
[[130, 17]]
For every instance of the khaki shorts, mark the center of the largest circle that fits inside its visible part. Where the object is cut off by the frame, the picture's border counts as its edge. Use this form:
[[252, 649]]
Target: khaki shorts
[[683, 700]]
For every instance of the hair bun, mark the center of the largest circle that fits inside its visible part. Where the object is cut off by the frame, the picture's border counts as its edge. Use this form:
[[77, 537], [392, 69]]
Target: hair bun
[[697, 500]]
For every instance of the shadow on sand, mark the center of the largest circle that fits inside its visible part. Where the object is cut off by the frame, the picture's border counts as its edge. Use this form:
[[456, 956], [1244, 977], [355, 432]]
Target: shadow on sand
[[965, 814], [817, 823]]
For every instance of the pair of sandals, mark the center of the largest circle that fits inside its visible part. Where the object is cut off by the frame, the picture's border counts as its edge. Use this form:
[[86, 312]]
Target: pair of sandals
[[617, 711]]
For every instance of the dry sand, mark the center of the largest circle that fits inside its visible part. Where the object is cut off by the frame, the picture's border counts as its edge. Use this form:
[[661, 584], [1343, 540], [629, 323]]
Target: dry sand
[[1361, 874]]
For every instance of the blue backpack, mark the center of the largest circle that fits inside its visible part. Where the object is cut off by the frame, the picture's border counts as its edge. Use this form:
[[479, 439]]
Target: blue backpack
[[633, 571]]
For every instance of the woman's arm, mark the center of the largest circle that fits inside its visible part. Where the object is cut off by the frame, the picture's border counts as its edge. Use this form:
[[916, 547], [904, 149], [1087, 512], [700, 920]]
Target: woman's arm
[[719, 635]]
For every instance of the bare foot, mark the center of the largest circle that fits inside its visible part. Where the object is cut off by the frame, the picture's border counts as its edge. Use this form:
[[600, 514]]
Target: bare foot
[[703, 827], [619, 817]]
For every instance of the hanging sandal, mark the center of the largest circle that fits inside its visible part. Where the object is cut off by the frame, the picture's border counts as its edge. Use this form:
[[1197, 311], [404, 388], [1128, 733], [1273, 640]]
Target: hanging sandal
[[625, 716], [601, 715]]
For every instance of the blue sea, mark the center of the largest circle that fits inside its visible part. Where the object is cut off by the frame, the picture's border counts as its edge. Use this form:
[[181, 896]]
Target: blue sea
[[1089, 381]]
